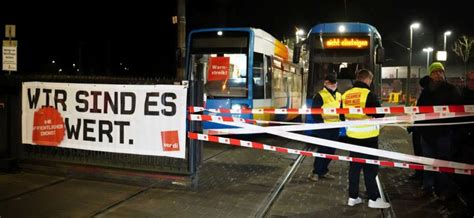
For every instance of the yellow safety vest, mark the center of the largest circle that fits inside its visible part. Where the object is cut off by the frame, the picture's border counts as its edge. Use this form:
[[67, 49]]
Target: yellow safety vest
[[330, 102], [356, 98]]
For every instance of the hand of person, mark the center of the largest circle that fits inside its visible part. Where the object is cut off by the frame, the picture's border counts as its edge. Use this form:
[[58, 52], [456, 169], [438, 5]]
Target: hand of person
[[410, 129]]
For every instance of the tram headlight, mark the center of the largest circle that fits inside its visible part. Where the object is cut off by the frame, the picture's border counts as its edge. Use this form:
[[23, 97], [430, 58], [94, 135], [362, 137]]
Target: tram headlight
[[239, 106], [236, 107]]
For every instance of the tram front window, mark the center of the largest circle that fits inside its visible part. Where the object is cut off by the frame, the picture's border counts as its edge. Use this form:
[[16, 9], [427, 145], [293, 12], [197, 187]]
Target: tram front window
[[224, 75]]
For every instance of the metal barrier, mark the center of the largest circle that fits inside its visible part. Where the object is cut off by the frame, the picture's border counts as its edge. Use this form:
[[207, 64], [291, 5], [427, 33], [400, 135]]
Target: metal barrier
[[11, 143]]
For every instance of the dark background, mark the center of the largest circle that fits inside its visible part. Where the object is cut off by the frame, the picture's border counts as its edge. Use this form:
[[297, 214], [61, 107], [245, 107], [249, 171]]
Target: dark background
[[137, 38]]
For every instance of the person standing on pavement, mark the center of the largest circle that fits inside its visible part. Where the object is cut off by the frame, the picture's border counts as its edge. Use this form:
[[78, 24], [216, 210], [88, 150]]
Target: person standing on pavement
[[436, 141], [328, 97], [360, 96], [464, 141], [464, 134]]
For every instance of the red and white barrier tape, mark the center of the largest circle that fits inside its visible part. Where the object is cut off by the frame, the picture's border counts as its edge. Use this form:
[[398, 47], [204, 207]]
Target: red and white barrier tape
[[373, 110], [350, 147], [315, 126], [256, 145]]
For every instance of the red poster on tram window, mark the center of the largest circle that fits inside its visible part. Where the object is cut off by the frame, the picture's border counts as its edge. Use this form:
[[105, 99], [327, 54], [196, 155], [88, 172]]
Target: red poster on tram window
[[48, 127], [218, 68]]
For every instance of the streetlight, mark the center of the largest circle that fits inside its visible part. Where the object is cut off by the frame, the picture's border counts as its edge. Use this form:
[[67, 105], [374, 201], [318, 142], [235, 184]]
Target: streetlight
[[427, 50], [412, 27], [300, 33], [446, 34]]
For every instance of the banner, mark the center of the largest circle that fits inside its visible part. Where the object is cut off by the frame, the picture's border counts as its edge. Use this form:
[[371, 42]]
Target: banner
[[133, 119]]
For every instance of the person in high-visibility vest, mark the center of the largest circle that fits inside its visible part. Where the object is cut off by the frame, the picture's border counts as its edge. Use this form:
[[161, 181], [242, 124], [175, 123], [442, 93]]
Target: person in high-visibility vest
[[360, 96], [328, 97]]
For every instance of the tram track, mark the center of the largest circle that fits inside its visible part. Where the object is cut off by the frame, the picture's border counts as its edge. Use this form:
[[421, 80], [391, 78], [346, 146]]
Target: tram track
[[280, 185], [268, 202]]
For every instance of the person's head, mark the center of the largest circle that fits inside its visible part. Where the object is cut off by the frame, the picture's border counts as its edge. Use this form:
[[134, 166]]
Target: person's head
[[364, 76], [330, 81], [436, 70], [470, 80]]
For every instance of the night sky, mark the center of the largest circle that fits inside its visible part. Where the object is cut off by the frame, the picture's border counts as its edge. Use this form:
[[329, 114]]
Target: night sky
[[142, 37]]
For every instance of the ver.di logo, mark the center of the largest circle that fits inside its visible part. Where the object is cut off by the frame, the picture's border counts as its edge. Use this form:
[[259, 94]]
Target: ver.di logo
[[170, 141]]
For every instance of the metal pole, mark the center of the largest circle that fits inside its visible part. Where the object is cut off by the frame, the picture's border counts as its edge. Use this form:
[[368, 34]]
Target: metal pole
[[407, 94], [345, 10], [427, 60], [379, 186], [181, 39], [444, 45]]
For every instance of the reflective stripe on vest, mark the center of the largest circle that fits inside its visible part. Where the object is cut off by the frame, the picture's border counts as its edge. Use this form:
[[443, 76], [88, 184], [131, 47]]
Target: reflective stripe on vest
[[357, 98], [330, 102]]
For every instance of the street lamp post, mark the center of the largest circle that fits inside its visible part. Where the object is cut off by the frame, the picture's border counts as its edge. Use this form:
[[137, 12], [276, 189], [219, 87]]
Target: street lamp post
[[428, 50], [299, 33], [407, 93], [446, 34]]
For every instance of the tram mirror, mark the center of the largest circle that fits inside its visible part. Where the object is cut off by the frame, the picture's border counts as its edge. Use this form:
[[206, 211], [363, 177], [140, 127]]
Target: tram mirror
[[380, 56]]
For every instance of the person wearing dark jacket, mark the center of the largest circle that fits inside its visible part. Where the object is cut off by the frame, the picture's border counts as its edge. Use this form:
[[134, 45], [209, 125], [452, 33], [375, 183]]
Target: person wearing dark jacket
[[464, 134], [464, 141], [328, 97], [360, 96], [436, 141]]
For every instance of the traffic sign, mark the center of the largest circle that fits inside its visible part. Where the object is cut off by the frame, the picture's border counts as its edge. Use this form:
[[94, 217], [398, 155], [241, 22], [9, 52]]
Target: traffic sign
[[10, 31], [9, 54]]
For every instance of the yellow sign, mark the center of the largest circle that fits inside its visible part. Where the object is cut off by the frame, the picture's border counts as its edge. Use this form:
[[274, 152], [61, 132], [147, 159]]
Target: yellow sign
[[280, 50], [10, 31], [357, 43]]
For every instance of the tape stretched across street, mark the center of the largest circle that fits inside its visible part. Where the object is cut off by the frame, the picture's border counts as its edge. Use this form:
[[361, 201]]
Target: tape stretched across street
[[256, 145], [350, 147], [316, 126], [369, 110]]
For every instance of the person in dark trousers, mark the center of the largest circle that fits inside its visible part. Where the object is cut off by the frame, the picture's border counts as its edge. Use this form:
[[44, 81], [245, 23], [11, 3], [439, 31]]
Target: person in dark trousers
[[436, 141], [360, 96], [328, 97], [464, 141]]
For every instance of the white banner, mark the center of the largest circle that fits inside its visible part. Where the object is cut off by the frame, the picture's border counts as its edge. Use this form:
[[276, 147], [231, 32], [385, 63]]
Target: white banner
[[133, 119]]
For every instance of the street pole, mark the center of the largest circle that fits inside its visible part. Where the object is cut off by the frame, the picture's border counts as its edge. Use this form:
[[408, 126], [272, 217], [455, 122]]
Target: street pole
[[444, 45], [446, 34], [412, 26], [407, 93], [428, 50], [181, 39], [427, 60]]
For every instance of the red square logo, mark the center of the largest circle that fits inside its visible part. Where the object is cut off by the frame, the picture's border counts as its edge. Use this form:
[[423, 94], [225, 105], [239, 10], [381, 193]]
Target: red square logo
[[170, 140]]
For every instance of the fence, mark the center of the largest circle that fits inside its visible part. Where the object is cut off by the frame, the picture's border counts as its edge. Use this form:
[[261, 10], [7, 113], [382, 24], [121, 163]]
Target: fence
[[11, 148]]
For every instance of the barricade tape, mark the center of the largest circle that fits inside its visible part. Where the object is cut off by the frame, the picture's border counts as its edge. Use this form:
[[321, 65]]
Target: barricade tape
[[315, 126], [372, 110], [384, 163], [350, 147]]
